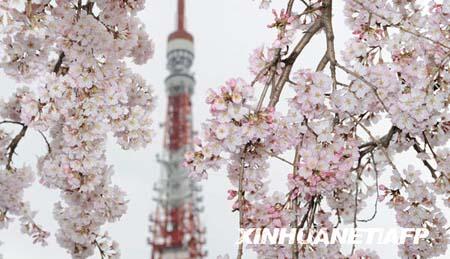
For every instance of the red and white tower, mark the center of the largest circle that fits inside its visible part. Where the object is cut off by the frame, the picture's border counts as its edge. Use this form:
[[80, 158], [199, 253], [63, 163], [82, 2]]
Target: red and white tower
[[176, 232]]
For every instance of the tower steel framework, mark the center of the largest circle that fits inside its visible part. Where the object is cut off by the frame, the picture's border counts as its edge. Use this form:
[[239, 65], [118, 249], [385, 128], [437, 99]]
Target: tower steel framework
[[176, 230]]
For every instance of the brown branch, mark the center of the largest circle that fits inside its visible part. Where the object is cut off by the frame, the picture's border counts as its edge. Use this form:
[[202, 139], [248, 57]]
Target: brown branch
[[289, 62], [289, 7], [429, 145], [79, 7], [313, 212], [385, 140], [377, 190], [102, 253], [49, 149], [278, 157], [29, 8], [15, 142], [266, 86], [304, 2], [323, 63], [13, 145], [11, 122], [418, 149], [58, 63], [295, 252], [383, 149], [328, 25]]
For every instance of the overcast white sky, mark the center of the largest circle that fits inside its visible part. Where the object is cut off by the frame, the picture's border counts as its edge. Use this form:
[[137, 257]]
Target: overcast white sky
[[225, 34]]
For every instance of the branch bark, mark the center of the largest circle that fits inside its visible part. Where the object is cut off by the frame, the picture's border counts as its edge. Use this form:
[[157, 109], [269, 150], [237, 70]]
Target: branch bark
[[328, 25], [13, 146], [289, 62]]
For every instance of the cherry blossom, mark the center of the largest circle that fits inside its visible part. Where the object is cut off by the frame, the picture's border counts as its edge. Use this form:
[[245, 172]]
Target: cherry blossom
[[71, 55], [395, 70]]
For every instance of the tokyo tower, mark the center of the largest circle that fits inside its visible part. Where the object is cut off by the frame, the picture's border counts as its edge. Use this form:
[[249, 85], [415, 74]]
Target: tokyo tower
[[176, 232]]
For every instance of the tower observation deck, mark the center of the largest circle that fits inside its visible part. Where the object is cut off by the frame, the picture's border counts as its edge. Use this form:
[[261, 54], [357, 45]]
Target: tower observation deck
[[176, 232]]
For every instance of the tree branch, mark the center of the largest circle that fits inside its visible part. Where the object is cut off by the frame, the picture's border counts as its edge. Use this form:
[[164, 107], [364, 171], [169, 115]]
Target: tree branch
[[418, 149], [58, 63], [328, 25], [377, 190], [13, 145], [241, 194], [385, 140], [11, 122], [289, 62], [323, 62]]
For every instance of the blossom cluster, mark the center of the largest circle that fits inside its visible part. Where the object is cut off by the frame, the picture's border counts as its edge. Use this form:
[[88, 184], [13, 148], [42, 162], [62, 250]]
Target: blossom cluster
[[323, 169], [234, 124], [397, 62], [401, 50], [72, 56], [12, 186], [416, 207], [13, 182]]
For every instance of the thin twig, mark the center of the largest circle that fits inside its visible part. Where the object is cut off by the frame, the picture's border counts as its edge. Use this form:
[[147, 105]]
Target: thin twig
[[355, 224], [278, 157], [266, 87], [417, 34], [49, 149], [429, 145], [102, 253], [362, 79], [368, 147], [418, 149], [11, 122], [241, 204], [377, 190], [383, 149]]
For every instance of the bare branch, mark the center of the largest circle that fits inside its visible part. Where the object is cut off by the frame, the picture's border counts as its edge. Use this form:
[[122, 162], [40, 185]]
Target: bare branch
[[377, 190], [13, 145], [328, 25], [295, 252], [11, 122], [418, 149], [323, 62], [49, 149], [278, 157]]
